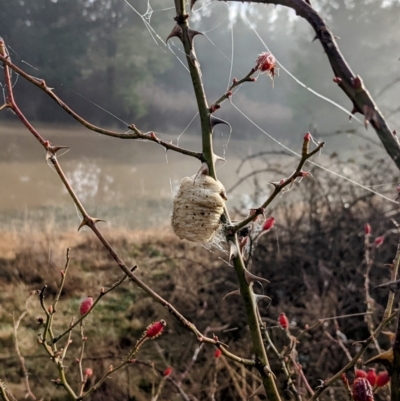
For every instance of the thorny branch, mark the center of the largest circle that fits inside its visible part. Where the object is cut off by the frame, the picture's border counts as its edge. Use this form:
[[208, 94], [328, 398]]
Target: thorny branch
[[279, 186], [134, 134], [350, 83]]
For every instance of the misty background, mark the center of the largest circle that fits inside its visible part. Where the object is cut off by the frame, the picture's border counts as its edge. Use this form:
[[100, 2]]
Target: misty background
[[107, 61]]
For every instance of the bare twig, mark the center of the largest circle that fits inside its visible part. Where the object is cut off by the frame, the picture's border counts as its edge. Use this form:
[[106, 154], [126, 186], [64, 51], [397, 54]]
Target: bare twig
[[369, 301], [234, 85], [4, 394], [298, 173], [29, 393], [135, 134]]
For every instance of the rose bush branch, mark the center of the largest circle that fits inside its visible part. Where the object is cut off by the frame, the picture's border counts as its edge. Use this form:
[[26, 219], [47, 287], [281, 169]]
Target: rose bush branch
[[350, 83], [369, 301], [29, 393], [279, 186], [186, 35], [135, 134], [265, 63], [235, 83], [80, 360], [102, 293]]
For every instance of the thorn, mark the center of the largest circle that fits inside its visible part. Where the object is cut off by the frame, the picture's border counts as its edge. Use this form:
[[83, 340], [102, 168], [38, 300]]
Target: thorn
[[236, 292], [55, 149], [96, 220], [192, 33], [314, 39], [392, 285], [192, 3], [354, 110], [83, 224], [259, 297], [274, 183], [250, 278], [217, 158], [204, 170], [258, 391], [176, 31], [268, 371], [233, 251], [215, 121]]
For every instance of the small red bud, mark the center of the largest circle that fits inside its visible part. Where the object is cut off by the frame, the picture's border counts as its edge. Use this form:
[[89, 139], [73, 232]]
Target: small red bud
[[382, 379], [307, 137], [394, 133], [235, 80], [283, 321], [88, 372], [229, 94], [86, 305], [360, 373], [269, 223], [217, 353], [252, 79], [362, 390], [155, 329], [62, 272], [367, 229], [266, 62], [337, 80], [372, 377], [379, 241], [168, 371]]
